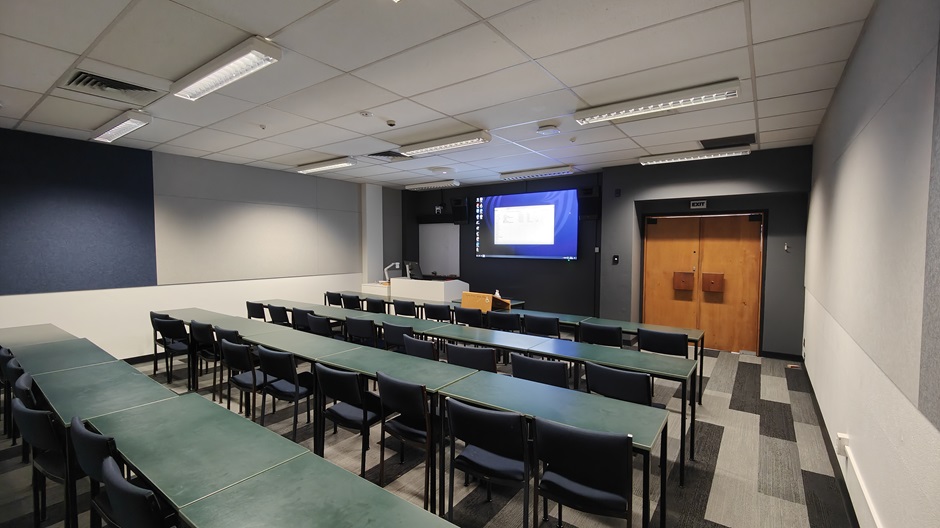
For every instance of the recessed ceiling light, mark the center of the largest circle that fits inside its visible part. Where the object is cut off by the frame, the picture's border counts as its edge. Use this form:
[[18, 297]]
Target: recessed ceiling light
[[694, 155], [711, 93], [432, 185], [538, 173], [548, 130], [326, 165], [120, 126], [240, 61], [454, 142]]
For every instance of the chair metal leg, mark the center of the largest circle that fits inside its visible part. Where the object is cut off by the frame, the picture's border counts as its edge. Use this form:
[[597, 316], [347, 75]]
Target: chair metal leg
[[382, 456], [263, 397], [36, 502], [296, 411], [559, 516]]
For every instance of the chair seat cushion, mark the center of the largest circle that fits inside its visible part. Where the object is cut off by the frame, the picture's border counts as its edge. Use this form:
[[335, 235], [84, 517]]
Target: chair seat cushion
[[398, 427], [243, 380], [285, 389], [52, 464], [177, 347], [581, 497], [349, 415], [477, 460]]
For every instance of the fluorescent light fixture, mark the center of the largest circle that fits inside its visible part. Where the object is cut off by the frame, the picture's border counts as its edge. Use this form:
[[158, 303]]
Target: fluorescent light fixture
[[326, 165], [455, 142], [244, 59], [711, 93], [693, 155], [121, 125], [432, 185], [539, 173]]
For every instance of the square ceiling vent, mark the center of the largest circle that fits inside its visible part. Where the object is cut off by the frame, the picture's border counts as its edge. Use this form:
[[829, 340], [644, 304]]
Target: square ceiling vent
[[90, 83]]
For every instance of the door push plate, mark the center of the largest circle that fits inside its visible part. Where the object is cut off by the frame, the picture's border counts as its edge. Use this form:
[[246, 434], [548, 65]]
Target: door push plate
[[713, 282], [683, 280]]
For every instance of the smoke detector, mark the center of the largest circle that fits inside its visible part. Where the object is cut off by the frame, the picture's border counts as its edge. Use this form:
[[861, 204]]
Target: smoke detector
[[441, 170], [548, 130]]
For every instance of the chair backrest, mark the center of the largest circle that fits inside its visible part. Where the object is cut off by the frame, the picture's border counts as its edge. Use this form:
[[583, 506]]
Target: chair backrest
[[360, 330], [319, 325], [395, 334], [334, 299], [298, 317], [375, 305], [23, 389], [602, 461], [156, 315], [410, 400], [231, 335], [540, 370], [663, 342], [468, 316], [602, 335], [472, 357], [255, 310], [12, 371], [339, 384], [280, 365], [438, 312], [278, 314], [90, 448], [5, 357], [202, 335], [172, 329], [500, 432], [636, 387], [236, 356], [420, 348], [505, 321], [133, 506], [406, 308], [542, 326], [351, 302], [36, 427]]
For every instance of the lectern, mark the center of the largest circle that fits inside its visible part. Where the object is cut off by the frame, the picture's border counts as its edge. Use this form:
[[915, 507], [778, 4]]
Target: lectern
[[484, 301]]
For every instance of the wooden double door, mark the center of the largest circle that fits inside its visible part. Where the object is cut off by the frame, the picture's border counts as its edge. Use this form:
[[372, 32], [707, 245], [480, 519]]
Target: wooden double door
[[705, 272]]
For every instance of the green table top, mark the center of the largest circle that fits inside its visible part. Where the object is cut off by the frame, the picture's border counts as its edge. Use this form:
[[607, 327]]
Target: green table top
[[302, 344], [420, 326], [307, 491], [246, 327], [571, 407], [188, 447], [340, 314], [289, 304], [487, 337], [565, 319], [60, 355], [677, 368], [368, 361], [98, 390], [17, 336], [631, 327]]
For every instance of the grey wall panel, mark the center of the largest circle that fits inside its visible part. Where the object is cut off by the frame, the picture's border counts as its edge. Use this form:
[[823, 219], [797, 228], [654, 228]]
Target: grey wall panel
[[391, 225], [337, 195], [338, 249], [929, 397]]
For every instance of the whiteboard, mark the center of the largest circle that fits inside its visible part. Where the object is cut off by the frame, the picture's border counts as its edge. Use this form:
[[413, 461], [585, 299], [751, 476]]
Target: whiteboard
[[439, 248]]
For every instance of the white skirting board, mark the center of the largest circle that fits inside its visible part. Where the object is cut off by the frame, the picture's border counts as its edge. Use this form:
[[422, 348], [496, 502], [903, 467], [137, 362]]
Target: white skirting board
[[861, 501]]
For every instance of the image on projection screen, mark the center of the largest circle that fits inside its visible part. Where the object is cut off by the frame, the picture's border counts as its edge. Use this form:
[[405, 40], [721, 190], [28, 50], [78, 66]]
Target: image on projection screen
[[527, 224]]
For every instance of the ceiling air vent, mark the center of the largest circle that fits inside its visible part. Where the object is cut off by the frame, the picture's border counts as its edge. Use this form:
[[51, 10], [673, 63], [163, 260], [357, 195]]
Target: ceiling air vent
[[388, 156], [100, 86]]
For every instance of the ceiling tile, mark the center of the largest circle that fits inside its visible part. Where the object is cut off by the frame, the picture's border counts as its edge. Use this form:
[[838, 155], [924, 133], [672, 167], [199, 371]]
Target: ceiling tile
[[807, 49], [515, 82], [426, 131], [369, 170], [313, 136], [786, 143], [800, 81], [578, 137], [421, 163], [787, 134], [209, 140], [161, 131], [225, 158], [348, 35], [292, 73], [257, 18], [696, 134], [539, 107], [488, 151], [68, 26], [16, 102], [334, 98], [52, 130], [674, 147], [134, 143], [262, 122], [206, 111], [30, 66], [515, 163], [444, 61], [264, 164], [617, 157], [804, 102], [302, 157], [388, 177], [165, 39], [591, 148], [772, 19], [689, 119], [357, 147], [549, 26], [71, 114], [8, 122], [181, 151], [710, 32], [88, 98], [791, 120], [403, 112], [565, 123], [259, 150], [488, 8]]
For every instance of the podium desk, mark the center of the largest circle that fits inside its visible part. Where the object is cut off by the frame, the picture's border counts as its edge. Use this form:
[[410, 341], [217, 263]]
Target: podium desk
[[60, 355], [17, 336]]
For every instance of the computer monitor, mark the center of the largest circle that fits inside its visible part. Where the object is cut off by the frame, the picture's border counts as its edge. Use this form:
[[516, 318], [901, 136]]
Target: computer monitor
[[413, 270]]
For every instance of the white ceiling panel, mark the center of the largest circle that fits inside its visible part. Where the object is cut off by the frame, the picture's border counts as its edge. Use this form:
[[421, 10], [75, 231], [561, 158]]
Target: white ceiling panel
[[206, 111], [166, 40], [800, 119], [444, 61], [799, 81], [490, 150], [696, 134], [403, 112], [262, 122], [347, 35], [68, 26], [16, 102], [785, 144], [425, 131], [421, 163], [710, 32], [615, 157], [804, 102], [71, 114], [257, 18], [134, 143], [488, 8], [334, 98], [225, 158], [52, 130], [209, 140], [674, 147], [161, 131], [578, 137], [88, 98], [259, 149], [689, 119], [8, 122], [558, 103], [515, 163], [181, 151], [30, 66], [807, 49], [264, 164], [313, 136], [591, 148], [788, 134], [292, 73], [525, 131], [301, 157], [357, 147], [369, 170], [772, 19]]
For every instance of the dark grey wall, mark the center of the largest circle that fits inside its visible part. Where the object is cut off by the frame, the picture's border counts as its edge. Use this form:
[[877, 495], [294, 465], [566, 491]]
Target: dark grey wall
[[391, 225]]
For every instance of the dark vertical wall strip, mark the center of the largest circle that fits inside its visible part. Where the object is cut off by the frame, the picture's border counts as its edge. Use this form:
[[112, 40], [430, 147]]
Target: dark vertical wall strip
[[75, 215]]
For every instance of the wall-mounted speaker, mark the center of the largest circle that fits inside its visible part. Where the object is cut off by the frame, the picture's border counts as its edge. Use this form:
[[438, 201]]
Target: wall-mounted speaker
[[589, 203], [460, 212]]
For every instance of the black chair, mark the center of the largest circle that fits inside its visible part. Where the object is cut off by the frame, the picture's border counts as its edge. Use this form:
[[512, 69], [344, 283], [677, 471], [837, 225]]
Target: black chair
[[157, 341], [404, 308], [288, 384], [496, 449], [420, 348], [354, 408], [601, 335], [133, 506], [175, 341], [394, 336], [505, 321], [472, 357], [585, 470], [243, 375], [91, 450], [438, 312], [298, 317], [351, 302], [636, 387], [11, 373], [23, 390], [333, 299], [321, 326], [256, 311], [5, 357], [232, 336], [362, 331], [670, 343], [375, 305], [540, 370], [412, 425], [542, 326], [49, 460], [468, 316], [204, 350], [278, 315]]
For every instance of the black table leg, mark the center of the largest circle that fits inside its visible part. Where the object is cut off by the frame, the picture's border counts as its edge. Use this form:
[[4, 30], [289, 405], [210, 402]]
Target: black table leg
[[662, 477], [685, 397], [432, 459], [691, 403], [646, 488], [701, 368], [443, 510]]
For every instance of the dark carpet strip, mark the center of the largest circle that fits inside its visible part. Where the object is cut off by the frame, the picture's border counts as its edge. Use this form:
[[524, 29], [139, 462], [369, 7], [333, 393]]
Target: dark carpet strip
[[776, 420], [685, 506], [797, 380], [745, 396], [824, 505], [474, 511]]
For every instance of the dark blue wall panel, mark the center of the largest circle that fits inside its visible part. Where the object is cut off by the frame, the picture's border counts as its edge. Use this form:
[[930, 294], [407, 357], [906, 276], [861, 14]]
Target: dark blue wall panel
[[74, 215]]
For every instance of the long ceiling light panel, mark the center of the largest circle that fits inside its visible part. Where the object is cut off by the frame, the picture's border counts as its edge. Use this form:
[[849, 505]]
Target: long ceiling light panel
[[120, 126], [711, 93], [694, 155], [240, 61], [326, 165], [455, 142], [539, 173], [432, 185]]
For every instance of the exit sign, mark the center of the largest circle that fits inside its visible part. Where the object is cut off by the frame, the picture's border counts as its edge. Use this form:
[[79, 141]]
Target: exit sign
[[698, 204]]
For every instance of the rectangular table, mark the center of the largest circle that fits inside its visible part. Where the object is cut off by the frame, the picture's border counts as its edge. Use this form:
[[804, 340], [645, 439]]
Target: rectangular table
[[487, 337], [336, 313], [246, 327], [577, 409], [190, 448], [60, 355], [16, 336], [563, 319], [302, 344]]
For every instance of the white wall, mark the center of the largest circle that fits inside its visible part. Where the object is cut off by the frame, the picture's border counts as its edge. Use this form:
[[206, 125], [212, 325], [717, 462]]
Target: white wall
[[866, 244]]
